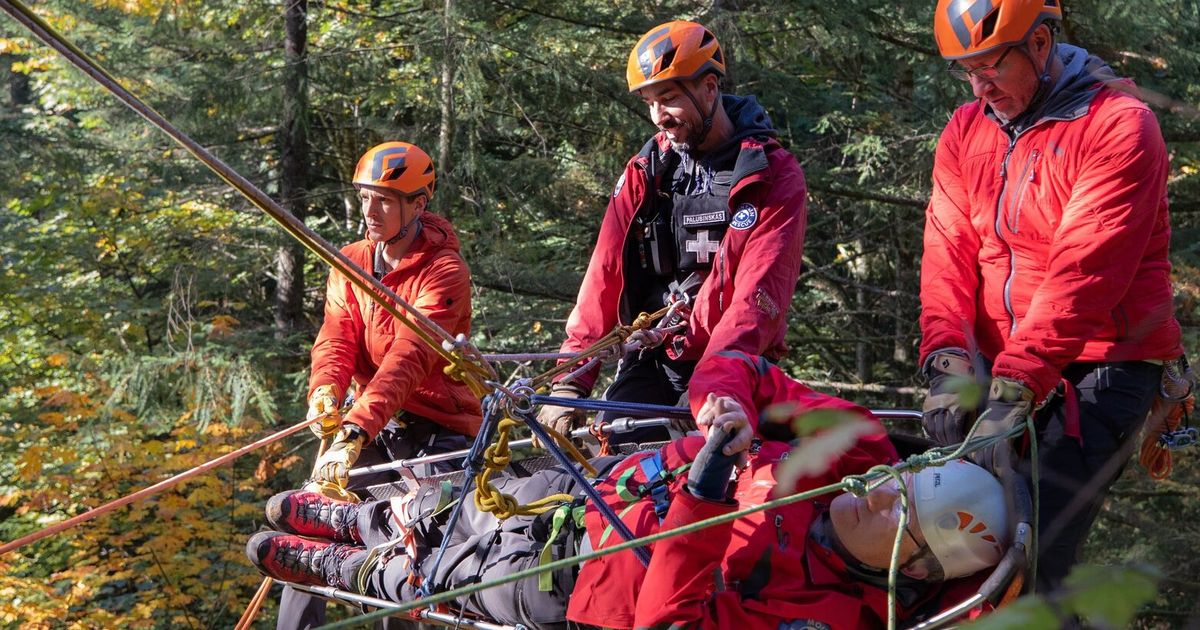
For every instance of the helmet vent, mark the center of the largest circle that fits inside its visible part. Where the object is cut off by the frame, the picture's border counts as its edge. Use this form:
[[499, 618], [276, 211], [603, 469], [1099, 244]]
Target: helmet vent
[[393, 174], [989, 25], [667, 59], [717, 56]]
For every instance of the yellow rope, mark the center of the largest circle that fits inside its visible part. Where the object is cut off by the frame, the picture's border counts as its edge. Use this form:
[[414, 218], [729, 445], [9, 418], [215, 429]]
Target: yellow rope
[[618, 336], [496, 458]]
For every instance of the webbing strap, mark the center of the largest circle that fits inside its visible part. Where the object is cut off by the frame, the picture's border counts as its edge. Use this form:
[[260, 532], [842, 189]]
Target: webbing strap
[[656, 483], [575, 513]]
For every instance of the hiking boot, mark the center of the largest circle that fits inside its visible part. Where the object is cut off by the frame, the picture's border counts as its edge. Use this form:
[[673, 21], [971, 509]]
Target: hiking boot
[[300, 560], [314, 514]]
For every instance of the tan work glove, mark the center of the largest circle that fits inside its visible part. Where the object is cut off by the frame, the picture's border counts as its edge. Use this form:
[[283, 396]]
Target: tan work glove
[[324, 411], [561, 419], [334, 465]]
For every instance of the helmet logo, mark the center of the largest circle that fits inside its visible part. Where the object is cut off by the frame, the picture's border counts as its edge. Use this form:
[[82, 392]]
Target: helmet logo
[[957, 13], [650, 52], [388, 160]]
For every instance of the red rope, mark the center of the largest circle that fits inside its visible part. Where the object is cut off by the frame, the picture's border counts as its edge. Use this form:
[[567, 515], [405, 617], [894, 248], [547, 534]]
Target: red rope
[[152, 490]]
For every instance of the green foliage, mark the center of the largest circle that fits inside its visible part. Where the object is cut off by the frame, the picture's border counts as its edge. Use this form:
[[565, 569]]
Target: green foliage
[[136, 333], [1106, 597]]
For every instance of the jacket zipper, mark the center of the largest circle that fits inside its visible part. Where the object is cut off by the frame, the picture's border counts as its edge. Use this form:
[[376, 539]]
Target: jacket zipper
[[1027, 175], [628, 228], [1012, 257], [721, 277]]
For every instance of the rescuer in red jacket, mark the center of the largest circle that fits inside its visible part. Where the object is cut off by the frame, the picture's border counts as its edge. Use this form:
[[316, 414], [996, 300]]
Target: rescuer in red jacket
[[711, 211], [1046, 259], [405, 404], [815, 562]]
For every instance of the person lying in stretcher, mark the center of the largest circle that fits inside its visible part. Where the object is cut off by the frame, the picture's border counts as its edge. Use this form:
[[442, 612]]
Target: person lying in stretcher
[[820, 563]]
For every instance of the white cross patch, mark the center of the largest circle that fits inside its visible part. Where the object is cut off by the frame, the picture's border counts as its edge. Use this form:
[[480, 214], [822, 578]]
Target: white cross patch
[[702, 247]]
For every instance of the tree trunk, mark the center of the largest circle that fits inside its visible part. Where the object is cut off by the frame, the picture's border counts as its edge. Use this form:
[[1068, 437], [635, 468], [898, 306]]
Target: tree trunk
[[446, 129], [18, 84], [293, 165]]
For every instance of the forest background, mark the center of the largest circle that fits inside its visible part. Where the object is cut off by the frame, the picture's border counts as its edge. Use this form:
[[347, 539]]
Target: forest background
[[151, 319]]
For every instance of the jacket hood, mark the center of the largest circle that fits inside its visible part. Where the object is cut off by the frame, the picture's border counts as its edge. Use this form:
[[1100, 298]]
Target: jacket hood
[[437, 235], [1083, 75], [748, 117]]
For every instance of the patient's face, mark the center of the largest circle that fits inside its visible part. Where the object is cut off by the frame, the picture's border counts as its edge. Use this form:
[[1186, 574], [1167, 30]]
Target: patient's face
[[867, 526]]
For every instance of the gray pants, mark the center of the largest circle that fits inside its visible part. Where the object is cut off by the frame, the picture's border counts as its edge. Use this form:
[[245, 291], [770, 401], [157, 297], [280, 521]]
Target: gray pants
[[482, 549], [299, 610]]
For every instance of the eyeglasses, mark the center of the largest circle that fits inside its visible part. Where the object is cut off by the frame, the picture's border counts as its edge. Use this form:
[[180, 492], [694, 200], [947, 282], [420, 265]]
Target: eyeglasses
[[923, 551], [985, 73]]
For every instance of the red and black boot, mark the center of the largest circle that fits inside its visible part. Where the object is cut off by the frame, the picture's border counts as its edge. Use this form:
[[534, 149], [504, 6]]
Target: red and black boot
[[298, 560], [314, 514]]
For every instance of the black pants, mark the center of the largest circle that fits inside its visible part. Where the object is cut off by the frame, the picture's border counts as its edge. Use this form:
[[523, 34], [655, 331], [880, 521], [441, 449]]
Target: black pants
[[299, 610], [649, 377], [1114, 399]]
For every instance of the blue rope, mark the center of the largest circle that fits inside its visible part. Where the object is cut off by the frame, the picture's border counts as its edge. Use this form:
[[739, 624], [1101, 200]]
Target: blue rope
[[593, 495], [472, 465], [640, 410]]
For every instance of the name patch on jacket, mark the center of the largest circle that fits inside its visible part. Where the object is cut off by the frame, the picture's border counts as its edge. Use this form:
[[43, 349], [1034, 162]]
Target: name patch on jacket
[[708, 218], [700, 222]]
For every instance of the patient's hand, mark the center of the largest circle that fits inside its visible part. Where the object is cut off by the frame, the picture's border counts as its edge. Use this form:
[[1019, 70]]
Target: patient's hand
[[727, 414]]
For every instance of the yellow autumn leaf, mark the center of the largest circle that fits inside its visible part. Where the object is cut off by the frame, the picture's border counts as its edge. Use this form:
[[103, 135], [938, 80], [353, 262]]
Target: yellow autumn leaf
[[223, 324], [52, 418]]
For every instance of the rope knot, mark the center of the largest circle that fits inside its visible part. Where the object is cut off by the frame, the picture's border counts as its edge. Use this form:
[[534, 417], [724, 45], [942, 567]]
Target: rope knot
[[856, 485]]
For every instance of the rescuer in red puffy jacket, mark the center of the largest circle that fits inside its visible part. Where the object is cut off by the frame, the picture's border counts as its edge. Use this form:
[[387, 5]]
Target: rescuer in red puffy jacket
[[1045, 263], [711, 211]]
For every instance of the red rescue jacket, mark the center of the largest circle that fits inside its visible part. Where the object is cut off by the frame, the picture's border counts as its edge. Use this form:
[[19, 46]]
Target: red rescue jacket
[[743, 301], [1050, 246], [394, 369], [616, 591]]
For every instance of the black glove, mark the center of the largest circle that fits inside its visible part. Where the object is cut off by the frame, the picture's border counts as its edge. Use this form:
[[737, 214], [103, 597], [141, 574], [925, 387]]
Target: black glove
[[1009, 404], [710, 472], [943, 416]]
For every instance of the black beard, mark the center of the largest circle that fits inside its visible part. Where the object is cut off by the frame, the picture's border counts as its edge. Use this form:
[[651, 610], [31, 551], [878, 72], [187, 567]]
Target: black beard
[[685, 146]]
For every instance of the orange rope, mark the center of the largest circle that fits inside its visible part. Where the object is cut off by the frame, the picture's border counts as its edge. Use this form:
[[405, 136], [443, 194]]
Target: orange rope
[[1165, 416], [150, 491], [255, 605]]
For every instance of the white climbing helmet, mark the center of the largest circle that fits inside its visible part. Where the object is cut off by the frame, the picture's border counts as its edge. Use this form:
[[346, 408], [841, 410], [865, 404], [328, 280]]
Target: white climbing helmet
[[963, 514]]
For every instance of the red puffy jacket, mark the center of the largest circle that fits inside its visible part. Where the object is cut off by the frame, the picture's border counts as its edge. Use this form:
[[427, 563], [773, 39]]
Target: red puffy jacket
[[1052, 248], [743, 302], [616, 591], [394, 369]]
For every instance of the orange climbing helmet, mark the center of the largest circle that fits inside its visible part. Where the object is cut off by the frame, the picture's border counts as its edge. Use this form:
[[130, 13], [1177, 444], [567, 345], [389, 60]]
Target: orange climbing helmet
[[399, 166], [673, 51], [966, 28]]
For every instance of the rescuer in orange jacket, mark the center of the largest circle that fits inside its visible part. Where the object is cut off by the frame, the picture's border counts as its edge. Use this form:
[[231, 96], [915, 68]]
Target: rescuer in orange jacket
[[405, 405], [1045, 263]]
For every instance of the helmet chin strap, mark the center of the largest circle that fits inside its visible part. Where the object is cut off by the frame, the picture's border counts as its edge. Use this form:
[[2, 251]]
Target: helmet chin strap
[[407, 226], [1044, 80], [708, 120], [403, 231]]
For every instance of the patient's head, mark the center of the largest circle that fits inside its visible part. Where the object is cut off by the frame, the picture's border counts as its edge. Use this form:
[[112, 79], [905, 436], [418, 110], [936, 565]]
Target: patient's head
[[958, 522]]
